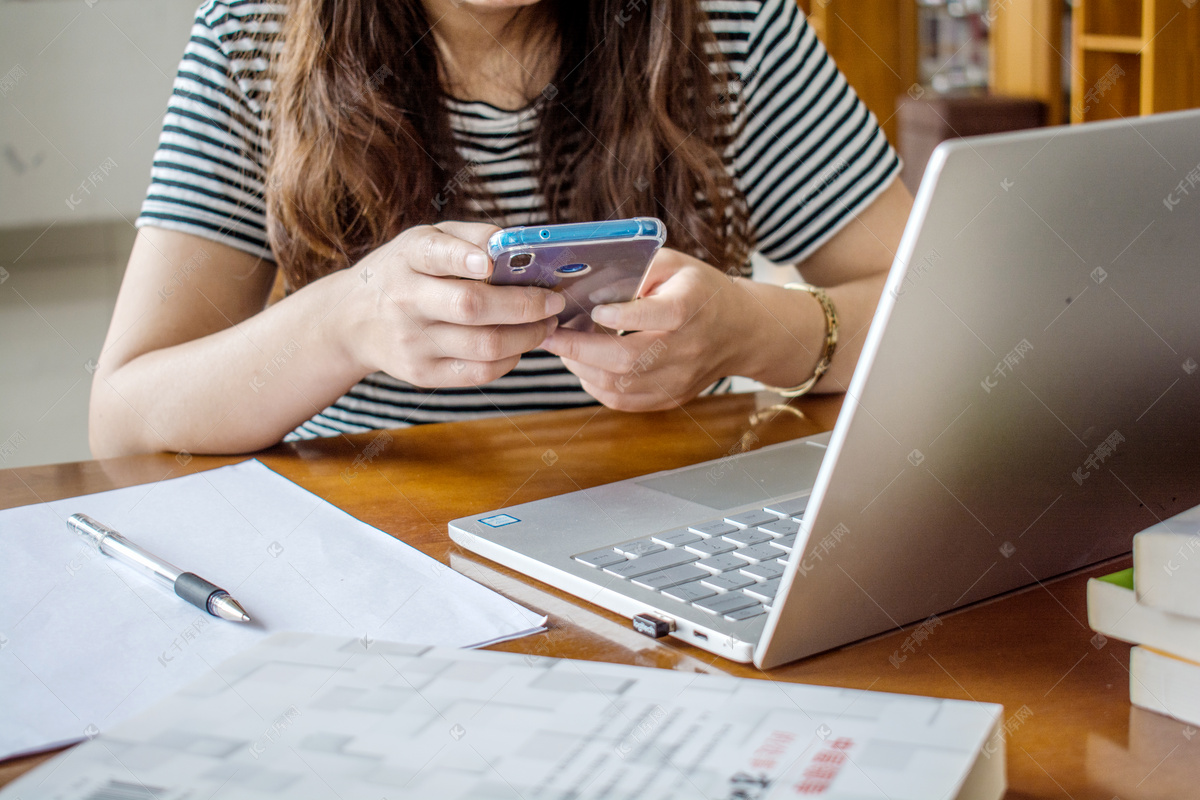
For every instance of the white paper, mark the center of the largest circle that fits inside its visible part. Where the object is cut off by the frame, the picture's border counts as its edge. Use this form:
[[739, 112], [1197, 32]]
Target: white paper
[[320, 717], [86, 641]]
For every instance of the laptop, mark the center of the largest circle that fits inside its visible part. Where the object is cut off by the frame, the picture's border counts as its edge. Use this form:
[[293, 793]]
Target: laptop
[[1027, 398]]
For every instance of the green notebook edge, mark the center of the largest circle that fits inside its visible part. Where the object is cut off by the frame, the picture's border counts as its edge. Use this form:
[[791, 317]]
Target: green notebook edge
[[1124, 578]]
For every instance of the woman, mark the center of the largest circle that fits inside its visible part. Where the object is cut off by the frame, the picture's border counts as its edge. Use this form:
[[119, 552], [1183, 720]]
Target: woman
[[367, 150]]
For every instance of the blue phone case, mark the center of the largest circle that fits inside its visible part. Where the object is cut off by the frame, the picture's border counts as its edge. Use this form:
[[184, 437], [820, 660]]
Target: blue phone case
[[589, 262]]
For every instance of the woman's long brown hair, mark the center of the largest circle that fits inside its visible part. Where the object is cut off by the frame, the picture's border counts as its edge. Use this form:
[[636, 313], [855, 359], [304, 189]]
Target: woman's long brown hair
[[634, 123]]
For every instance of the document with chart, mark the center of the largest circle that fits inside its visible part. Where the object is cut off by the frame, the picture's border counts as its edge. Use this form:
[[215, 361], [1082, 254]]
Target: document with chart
[[307, 716]]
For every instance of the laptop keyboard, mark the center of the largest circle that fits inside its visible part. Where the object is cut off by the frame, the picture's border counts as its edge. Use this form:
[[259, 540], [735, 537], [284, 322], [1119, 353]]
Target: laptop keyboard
[[729, 567]]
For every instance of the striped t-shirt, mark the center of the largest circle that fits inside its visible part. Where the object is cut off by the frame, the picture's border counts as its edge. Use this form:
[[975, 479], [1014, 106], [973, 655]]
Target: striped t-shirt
[[808, 156]]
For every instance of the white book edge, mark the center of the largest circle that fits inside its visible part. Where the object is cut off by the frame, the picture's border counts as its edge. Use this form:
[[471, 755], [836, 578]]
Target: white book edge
[[1166, 685], [1166, 566], [1115, 612], [988, 777]]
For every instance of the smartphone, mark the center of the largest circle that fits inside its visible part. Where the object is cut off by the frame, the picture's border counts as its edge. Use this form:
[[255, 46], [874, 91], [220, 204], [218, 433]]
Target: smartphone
[[590, 263]]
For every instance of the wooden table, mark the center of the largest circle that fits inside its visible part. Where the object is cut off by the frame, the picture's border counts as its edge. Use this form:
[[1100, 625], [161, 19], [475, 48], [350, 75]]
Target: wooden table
[[1072, 731]]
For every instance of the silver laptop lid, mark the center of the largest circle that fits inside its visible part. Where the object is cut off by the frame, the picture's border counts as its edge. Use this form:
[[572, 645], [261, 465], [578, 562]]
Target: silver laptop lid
[[1033, 397]]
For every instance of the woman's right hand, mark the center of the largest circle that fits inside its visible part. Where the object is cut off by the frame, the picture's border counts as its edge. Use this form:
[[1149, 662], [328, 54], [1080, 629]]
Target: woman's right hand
[[410, 313]]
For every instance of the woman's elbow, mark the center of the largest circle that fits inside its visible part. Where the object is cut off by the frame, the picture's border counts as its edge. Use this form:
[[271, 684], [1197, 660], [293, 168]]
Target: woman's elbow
[[114, 426]]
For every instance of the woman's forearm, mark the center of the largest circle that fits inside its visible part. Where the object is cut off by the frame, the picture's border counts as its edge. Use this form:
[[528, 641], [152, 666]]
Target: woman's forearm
[[235, 390], [787, 340], [852, 267]]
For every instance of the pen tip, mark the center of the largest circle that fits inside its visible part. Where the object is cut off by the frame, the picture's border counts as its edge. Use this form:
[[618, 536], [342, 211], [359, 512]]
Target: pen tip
[[225, 607]]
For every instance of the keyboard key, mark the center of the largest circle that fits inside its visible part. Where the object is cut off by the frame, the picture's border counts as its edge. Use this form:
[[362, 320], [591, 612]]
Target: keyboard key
[[714, 528], [764, 570], [763, 591], [787, 543], [745, 613], [725, 603], [781, 527], [689, 592], [789, 508], [654, 562], [749, 519], [728, 581], [748, 536], [759, 552], [600, 558], [712, 547], [721, 563], [642, 547], [677, 538], [670, 577]]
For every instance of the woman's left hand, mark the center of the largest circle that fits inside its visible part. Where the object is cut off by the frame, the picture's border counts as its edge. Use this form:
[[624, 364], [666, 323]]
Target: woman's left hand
[[689, 325]]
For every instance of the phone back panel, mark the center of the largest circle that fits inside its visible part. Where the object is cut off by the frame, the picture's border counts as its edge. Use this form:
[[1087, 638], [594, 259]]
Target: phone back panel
[[587, 274]]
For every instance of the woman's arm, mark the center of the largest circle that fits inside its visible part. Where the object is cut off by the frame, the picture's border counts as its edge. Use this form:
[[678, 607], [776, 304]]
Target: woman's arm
[[697, 325], [808, 154], [852, 267], [194, 362]]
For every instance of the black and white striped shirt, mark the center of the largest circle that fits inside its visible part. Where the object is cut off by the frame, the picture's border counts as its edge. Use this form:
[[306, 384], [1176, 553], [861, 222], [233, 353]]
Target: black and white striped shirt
[[808, 157]]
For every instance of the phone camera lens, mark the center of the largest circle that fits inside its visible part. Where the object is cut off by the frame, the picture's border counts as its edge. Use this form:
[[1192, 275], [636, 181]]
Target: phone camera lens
[[545, 234], [521, 260], [573, 270]]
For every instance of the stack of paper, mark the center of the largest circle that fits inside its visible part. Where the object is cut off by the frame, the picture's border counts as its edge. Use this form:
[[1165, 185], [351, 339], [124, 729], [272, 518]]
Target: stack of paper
[[87, 642], [314, 717]]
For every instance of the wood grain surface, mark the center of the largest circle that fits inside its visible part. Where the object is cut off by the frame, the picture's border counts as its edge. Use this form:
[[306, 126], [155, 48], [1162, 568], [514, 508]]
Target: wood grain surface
[[1071, 730]]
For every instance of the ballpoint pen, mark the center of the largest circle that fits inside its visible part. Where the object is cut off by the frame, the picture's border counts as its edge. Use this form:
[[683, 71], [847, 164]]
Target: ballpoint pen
[[188, 585]]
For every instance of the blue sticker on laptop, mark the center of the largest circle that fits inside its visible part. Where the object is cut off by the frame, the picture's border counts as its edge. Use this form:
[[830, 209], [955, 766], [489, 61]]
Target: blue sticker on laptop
[[499, 520]]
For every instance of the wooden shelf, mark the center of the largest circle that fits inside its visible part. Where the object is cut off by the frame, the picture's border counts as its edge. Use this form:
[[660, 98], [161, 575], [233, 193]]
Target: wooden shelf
[[1113, 17], [1134, 57], [1112, 44], [1128, 57], [875, 44], [1026, 53]]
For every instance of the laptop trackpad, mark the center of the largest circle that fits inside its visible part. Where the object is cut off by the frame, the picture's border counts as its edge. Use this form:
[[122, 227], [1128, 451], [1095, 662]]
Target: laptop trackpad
[[755, 477]]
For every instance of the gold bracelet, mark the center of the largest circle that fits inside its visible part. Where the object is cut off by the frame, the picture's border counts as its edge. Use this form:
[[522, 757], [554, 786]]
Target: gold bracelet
[[831, 338]]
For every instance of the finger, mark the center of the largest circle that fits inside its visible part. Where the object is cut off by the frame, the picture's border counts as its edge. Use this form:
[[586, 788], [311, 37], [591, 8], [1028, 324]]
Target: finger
[[614, 382], [477, 233], [478, 303], [430, 250], [464, 372], [619, 401], [640, 389], [599, 378], [667, 311], [598, 349], [488, 343]]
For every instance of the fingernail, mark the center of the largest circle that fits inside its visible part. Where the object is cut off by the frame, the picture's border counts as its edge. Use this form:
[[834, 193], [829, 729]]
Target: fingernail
[[548, 342], [555, 303], [605, 315], [551, 324], [477, 264]]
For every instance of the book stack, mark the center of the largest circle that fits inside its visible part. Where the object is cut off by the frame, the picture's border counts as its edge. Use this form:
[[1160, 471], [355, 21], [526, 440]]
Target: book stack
[[1156, 606]]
